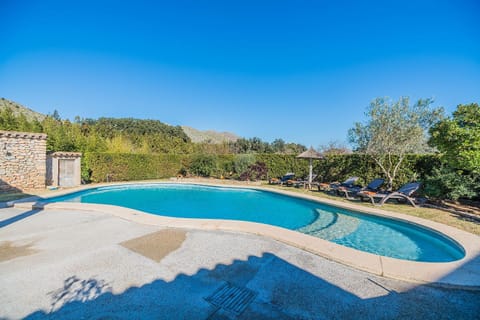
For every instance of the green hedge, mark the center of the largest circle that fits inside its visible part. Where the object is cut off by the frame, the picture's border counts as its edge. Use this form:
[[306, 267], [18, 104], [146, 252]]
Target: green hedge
[[340, 167], [125, 167], [279, 164]]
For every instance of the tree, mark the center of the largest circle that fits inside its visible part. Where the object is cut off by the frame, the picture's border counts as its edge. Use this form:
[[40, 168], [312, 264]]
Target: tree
[[259, 146], [278, 146], [242, 162], [294, 148], [242, 145], [8, 120], [458, 138], [56, 115], [334, 147], [394, 129]]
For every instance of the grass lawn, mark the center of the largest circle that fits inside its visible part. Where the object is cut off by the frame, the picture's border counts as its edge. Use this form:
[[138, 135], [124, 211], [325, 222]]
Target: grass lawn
[[436, 215]]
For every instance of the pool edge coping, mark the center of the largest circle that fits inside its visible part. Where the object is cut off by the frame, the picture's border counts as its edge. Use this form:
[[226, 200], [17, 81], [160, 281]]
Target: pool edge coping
[[448, 274]]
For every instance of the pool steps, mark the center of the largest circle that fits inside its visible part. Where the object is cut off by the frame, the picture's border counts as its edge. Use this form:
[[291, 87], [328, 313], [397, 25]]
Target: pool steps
[[331, 226]]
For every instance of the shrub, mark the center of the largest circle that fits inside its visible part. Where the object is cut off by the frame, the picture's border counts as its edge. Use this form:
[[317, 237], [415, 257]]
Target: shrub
[[203, 165], [458, 138], [242, 162], [256, 171], [225, 166], [126, 167], [279, 164], [447, 183]]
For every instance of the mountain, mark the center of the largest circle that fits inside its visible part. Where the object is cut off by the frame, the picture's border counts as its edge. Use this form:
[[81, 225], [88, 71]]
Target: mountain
[[194, 134], [209, 135], [19, 109]]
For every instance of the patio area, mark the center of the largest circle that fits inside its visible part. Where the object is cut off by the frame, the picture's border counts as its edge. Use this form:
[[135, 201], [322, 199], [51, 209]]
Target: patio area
[[71, 264]]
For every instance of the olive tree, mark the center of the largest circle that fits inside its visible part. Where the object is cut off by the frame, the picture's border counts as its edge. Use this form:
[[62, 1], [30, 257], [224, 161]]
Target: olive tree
[[394, 129]]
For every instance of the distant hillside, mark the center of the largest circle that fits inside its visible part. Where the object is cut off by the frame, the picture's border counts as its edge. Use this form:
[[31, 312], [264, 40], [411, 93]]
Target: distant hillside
[[209, 135], [130, 124], [109, 127], [19, 109]]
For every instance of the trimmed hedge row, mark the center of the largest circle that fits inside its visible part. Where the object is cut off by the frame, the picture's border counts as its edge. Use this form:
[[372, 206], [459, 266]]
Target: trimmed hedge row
[[340, 167], [100, 167]]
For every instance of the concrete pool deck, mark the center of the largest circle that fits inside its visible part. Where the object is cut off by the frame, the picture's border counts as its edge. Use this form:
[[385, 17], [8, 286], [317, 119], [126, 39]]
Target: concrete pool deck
[[461, 273], [80, 264]]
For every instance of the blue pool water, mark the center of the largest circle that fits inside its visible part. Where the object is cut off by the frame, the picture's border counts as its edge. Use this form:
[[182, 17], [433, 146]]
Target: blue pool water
[[386, 237]]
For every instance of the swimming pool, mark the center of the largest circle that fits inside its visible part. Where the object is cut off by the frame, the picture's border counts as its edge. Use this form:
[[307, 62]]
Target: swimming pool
[[374, 234]]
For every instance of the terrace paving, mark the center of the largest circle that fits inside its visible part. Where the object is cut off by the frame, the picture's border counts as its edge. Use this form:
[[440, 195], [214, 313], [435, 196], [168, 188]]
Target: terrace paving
[[76, 264]]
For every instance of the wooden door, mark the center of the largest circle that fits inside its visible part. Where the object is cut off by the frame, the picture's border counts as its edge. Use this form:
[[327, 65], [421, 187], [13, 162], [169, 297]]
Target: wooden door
[[66, 172]]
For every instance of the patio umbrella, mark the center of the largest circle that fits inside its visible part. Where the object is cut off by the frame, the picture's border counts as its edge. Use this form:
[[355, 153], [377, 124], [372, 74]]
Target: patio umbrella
[[310, 154]]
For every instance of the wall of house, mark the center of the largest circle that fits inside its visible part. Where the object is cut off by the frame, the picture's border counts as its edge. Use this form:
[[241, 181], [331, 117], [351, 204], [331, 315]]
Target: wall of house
[[22, 160]]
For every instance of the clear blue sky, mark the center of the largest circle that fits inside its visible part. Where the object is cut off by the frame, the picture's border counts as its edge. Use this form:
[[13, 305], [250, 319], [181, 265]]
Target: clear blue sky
[[299, 70]]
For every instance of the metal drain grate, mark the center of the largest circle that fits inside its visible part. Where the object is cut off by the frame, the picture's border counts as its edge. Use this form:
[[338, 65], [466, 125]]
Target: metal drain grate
[[231, 298]]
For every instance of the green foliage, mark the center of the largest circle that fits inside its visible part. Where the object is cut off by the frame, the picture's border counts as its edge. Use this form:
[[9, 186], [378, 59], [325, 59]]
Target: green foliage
[[279, 164], [18, 109], [10, 121], [209, 136], [109, 127], [334, 147], [60, 135], [211, 148], [458, 138], [203, 165], [256, 145], [148, 149], [140, 136], [447, 183], [255, 171], [278, 146], [242, 162], [125, 135], [394, 129], [56, 115], [127, 167], [341, 167]]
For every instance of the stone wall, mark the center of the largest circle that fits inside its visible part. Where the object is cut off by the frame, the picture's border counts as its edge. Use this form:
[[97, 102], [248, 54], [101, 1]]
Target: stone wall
[[22, 160]]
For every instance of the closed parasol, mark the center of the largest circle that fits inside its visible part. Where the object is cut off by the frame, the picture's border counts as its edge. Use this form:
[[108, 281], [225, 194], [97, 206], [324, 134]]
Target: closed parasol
[[310, 154]]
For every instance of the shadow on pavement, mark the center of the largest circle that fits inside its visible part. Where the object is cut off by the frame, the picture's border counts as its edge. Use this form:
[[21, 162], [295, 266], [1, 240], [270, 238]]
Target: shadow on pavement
[[19, 217], [277, 290]]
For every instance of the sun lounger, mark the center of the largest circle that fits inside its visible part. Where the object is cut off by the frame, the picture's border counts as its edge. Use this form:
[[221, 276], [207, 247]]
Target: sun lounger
[[349, 183], [404, 193], [303, 182], [282, 180], [351, 192]]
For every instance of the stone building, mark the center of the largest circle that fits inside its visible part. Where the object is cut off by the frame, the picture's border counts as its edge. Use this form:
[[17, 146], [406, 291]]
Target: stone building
[[22, 160], [63, 169]]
